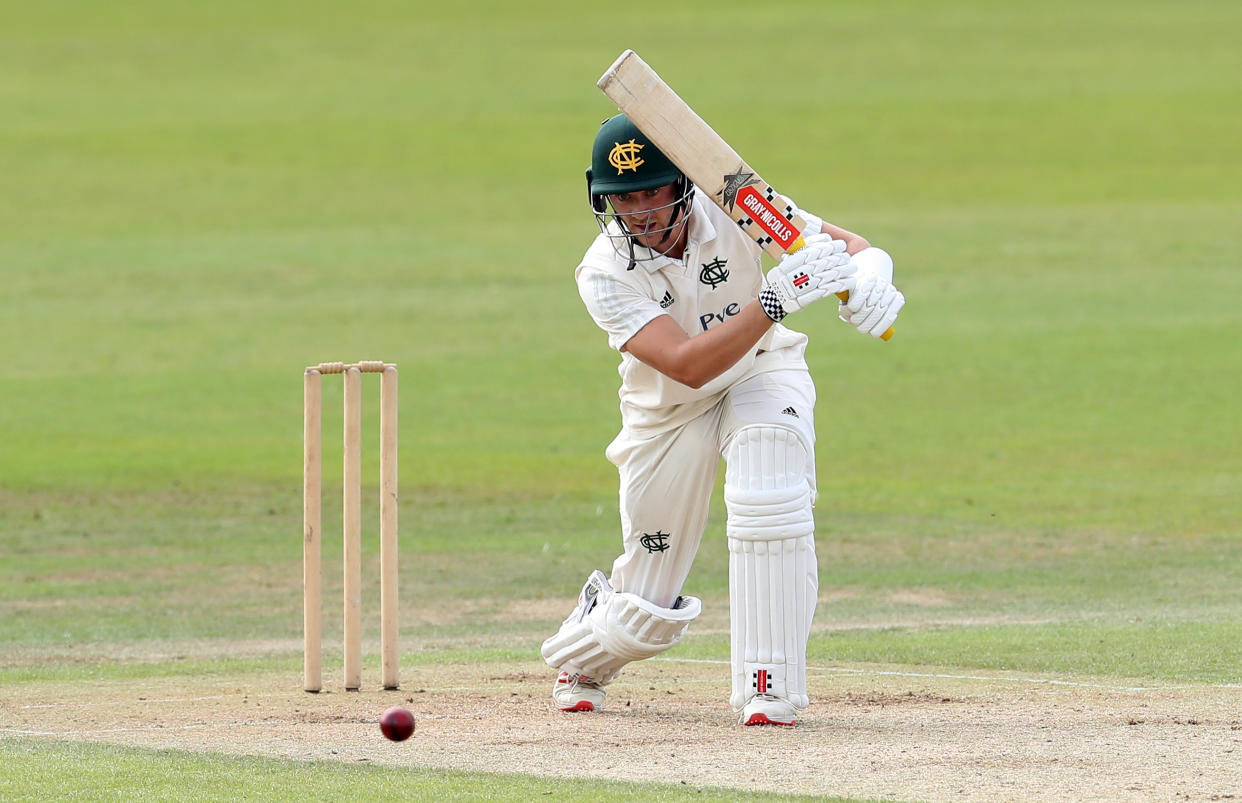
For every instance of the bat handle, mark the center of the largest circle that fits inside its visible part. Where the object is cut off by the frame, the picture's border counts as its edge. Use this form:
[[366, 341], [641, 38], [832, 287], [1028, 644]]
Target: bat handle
[[844, 295]]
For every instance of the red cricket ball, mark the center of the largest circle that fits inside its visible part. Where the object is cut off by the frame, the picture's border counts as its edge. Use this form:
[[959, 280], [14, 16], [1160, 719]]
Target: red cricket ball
[[397, 724]]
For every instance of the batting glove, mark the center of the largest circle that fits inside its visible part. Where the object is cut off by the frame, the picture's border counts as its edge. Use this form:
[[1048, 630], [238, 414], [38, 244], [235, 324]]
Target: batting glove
[[817, 269], [873, 305]]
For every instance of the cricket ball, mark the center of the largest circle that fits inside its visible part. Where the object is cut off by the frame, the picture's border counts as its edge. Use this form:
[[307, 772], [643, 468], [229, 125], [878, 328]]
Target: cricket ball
[[397, 724]]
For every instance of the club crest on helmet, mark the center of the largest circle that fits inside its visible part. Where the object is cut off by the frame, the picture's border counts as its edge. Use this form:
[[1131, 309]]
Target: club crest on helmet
[[625, 156]]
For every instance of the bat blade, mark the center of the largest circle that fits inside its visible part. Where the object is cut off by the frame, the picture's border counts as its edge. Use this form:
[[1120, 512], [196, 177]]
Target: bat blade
[[769, 218]]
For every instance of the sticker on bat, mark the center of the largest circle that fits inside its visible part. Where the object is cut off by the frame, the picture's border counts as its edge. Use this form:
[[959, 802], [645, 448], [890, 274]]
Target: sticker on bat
[[733, 183], [766, 216]]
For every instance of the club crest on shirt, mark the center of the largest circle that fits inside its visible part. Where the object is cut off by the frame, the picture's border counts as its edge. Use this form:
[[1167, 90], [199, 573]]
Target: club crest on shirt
[[714, 273]]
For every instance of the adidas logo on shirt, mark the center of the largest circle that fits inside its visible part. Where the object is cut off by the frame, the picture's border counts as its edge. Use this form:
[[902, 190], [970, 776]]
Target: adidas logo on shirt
[[667, 301], [790, 411]]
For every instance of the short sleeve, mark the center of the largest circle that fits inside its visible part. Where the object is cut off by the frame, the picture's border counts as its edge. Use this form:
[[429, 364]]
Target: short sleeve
[[620, 308]]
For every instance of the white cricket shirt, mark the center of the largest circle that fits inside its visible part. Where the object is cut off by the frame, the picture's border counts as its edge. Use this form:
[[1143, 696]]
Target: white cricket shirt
[[721, 273]]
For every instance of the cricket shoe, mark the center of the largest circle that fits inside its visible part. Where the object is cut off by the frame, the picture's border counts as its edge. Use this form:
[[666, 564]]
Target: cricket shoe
[[577, 693], [768, 709]]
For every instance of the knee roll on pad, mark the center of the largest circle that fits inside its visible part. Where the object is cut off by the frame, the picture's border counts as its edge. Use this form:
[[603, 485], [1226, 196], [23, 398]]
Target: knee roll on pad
[[767, 489], [773, 575], [609, 630]]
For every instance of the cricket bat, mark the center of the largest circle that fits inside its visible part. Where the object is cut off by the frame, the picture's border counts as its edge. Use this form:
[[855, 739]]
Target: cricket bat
[[767, 217]]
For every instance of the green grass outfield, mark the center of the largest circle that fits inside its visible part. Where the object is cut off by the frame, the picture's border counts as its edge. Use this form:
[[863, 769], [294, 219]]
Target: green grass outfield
[[116, 773], [1040, 473]]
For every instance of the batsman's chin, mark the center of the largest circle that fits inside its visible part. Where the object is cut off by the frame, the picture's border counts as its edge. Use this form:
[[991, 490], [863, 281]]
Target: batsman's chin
[[658, 243]]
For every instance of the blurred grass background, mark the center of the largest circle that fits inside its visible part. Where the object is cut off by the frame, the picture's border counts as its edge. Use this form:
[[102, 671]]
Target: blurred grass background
[[201, 199]]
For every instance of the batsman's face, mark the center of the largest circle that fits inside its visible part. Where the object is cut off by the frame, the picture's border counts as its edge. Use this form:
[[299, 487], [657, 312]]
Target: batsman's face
[[648, 214]]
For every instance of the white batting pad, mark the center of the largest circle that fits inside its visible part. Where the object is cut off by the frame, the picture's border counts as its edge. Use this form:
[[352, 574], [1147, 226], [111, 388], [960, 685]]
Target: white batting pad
[[609, 630], [773, 575]]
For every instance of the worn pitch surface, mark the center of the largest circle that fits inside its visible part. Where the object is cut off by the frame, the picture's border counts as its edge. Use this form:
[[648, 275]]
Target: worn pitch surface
[[872, 732]]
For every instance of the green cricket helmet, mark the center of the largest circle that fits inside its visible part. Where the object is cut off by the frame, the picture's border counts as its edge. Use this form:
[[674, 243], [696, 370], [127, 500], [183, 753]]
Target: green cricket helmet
[[624, 160]]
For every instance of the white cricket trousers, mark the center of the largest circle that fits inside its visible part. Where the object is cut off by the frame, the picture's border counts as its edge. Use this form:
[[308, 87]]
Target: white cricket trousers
[[667, 480]]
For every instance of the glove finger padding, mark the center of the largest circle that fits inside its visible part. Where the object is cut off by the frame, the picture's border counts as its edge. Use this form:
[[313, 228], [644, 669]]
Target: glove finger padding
[[838, 280], [873, 306], [858, 297], [871, 316], [886, 310], [817, 248], [824, 242], [890, 315], [821, 254], [824, 254], [870, 301]]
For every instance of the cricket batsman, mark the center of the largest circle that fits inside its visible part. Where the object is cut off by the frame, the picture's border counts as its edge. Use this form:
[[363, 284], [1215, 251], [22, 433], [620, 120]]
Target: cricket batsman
[[708, 371]]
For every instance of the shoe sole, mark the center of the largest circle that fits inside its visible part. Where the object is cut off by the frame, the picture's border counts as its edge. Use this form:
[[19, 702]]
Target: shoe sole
[[762, 719], [585, 705]]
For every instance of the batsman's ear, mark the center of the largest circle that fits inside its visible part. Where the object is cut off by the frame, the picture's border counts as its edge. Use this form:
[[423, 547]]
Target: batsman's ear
[[597, 201]]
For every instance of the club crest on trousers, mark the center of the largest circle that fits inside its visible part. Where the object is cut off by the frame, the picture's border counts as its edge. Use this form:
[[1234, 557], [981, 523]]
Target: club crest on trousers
[[655, 542]]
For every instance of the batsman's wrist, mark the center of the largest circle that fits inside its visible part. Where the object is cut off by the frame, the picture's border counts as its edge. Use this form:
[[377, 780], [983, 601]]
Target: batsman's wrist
[[770, 301]]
